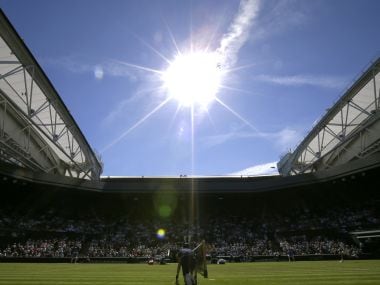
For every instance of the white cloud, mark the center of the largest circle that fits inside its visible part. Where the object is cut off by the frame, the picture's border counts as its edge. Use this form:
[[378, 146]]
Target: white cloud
[[70, 63], [118, 109], [238, 32], [286, 139], [118, 69], [122, 108], [283, 140], [269, 168], [299, 80], [211, 141], [282, 15], [111, 67]]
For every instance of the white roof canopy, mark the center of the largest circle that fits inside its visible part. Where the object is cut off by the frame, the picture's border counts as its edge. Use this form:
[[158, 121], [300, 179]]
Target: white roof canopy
[[36, 129], [349, 130]]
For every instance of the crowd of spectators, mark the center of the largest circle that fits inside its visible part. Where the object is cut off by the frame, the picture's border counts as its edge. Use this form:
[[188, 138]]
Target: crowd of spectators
[[318, 245], [43, 248], [272, 234]]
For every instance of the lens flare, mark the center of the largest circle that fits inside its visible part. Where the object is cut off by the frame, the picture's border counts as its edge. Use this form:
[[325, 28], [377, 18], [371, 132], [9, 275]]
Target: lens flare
[[160, 233], [164, 211]]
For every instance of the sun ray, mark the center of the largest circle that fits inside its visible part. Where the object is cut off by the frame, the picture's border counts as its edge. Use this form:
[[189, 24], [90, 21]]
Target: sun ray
[[192, 138], [175, 116], [246, 66], [213, 35], [193, 210], [234, 89], [237, 115], [138, 123], [172, 38], [210, 119], [191, 26], [139, 67], [152, 49]]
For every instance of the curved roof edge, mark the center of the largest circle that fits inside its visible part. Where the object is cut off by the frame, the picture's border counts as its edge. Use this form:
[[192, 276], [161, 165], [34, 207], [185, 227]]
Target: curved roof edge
[[345, 127], [26, 59]]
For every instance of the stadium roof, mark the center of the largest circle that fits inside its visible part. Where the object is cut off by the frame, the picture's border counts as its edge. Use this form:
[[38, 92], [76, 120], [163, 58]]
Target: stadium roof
[[350, 130], [366, 168], [36, 129]]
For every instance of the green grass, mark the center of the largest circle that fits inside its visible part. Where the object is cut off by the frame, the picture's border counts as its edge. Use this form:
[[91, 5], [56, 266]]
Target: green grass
[[305, 273]]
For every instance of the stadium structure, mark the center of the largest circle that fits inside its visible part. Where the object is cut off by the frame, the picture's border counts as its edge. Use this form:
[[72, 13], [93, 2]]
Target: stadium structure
[[46, 162]]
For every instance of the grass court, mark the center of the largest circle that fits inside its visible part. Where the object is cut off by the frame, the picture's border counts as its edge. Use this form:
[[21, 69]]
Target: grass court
[[305, 273]]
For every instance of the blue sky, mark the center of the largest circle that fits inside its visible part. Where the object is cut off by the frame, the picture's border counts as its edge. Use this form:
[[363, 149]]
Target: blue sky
[[283, 64]]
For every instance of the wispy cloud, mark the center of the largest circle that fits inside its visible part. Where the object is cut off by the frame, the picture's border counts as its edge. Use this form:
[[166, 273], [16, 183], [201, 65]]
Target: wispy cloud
[[282, 15], [269, 168], [286, 139], [118, 69], [283, 140], [114, 68], [238, 32], [109, 67], [121, 109], [211, 141], [70, 63], [299, 80]]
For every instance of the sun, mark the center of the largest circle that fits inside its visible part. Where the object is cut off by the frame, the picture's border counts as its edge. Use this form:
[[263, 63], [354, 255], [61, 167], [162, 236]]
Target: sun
[[193, 79]]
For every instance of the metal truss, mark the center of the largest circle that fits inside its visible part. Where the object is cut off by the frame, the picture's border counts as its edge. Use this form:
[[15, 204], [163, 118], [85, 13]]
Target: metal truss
[[36, 130], [350, 130], [40, 120]]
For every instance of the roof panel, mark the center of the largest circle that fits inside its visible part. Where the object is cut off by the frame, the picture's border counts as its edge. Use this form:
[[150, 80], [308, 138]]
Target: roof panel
[[342, 122], [364, 98], [24, 84]]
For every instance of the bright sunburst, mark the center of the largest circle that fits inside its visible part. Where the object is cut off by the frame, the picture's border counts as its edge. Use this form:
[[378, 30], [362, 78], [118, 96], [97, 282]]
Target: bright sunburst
[[193, 78]]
